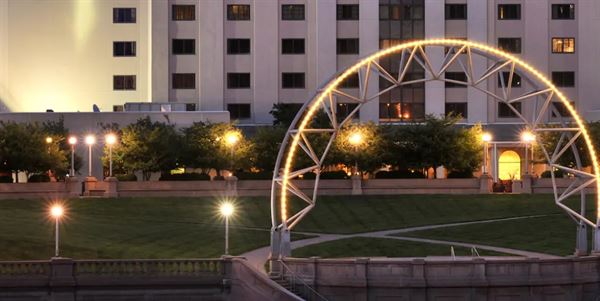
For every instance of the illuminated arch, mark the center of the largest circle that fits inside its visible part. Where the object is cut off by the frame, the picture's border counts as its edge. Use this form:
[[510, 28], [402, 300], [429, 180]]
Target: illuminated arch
[[459, 54], [509, 165]]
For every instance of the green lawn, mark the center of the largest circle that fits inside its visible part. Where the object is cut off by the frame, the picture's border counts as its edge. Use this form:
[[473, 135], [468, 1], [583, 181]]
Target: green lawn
[[381, 247]]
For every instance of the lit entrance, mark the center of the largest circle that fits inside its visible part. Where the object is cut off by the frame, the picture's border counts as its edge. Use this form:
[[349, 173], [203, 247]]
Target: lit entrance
[[509, 166]]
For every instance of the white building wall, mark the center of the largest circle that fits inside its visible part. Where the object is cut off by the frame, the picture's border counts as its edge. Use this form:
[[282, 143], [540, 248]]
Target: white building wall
[[369, 43], [4, 97], [160, 51], [434, 90], [211, 50], [478, 103], [588, 49]]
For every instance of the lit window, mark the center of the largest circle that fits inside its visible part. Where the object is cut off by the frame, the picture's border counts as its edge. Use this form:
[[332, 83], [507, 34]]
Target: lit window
[[238, 12], [124, 82], [292, 12], [184, 12], [387, 43], [512, 45], [509, 11], [563, 45]]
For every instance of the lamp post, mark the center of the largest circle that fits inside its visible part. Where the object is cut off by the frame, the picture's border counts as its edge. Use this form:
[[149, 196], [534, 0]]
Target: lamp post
[[110, 139], [90, 140], [486, 138], [56, 212], [48, 140], [527, 137], [72, 142], [227, 210], [355, 139], [231, 139]]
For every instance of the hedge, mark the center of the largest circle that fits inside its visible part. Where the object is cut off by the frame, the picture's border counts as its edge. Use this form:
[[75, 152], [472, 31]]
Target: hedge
[[399, 174], [185, 177]]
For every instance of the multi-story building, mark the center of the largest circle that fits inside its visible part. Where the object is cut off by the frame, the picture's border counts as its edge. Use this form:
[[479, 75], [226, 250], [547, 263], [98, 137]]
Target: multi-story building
[[246, 55]]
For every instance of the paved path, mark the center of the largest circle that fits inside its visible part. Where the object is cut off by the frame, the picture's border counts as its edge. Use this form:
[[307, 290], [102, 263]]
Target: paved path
[[258, 257]]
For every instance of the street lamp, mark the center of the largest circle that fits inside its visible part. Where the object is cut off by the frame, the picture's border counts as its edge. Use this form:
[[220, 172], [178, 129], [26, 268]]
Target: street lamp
[[110, 139], [231, 139], [56, 212], [227, 209], [90, 140], [486, 138], [48, 140], [355, 139], [72, 142], [527, 137]]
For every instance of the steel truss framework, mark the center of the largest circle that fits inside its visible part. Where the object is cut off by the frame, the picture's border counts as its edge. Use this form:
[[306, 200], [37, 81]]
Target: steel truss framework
[[419, 55]]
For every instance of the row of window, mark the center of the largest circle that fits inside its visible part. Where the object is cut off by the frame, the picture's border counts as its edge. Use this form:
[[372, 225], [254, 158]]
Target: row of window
[[559, 79], [504, 111], [289, 80], [510, 11], [559, 45]]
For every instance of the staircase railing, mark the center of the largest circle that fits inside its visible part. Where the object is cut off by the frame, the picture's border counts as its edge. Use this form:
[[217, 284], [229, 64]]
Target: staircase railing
[[299, 285]]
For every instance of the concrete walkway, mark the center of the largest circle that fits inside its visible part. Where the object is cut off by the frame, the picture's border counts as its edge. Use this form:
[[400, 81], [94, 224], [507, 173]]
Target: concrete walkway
[[258, 257]]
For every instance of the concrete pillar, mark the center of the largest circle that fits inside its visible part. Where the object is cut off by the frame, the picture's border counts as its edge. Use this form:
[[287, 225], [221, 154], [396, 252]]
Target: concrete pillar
[[526, 182], [581, 248], [90, 184], [231, 186], [356, 185], [111, 184], [227, 262], [62, 282], [485, 184], [73, 187], [517, 186], [418, 273]]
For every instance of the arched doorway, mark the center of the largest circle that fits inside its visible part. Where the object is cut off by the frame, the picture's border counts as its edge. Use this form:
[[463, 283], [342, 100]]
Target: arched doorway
[[509, 166]]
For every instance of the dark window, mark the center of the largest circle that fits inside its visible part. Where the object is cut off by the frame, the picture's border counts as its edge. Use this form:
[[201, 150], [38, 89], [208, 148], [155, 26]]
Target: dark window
[[457, 76], [516, 80], [189, 107], [184, 46], [509, 11], [238, 80], [118, 108], [563, 45], [512, 45], [292, 12], [124, 82], [238, 46], [561, 109], [238, 12], [344, 109], [123, 15], [347, 11], [347, 46], [563, 11], [504, 111], [350, 82], [292, 80], [563, 79], [239, 110], [456, 11], [457, 109], [184, 81], [292, 46], [184, 12], [123, 48]]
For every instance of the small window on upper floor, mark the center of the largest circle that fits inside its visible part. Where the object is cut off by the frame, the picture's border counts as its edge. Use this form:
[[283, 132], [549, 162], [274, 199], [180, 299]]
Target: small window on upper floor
[[456, 109], [347, 46], [504, 111], [124, 82], [184, 46], [512, 45], [292, 12], [563, 11], [350, 82], [124, 48], [184, 81], [347, 11], [456, 11], [509, 11], [123, 15], [456, 79], [292, 80], [238, 46], [184, 12], [238, 12], [239, 110], [503, 80], [563, 45], [563, 78], [238, 80], [560, 109], [292, 46]]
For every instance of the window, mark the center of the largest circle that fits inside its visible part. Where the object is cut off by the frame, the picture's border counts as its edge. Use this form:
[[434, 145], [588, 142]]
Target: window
[[561, 109], [292, 80], [400, 12], [238, 12], [292, 12], [347, 46], [351, 82], [563, 45], [238, 46], [344, 109], [512, 45], [563, 11], [190, 107], [504, 111], [563, 79], [456, 109], [238, 80], [347, 11], [516, 80], [184, 81], [184, 46], [239, 110], [292, 46], [123, 48], [456, 11], [124, 82], [123, 15], [509, 11], [184, 12], [457, 76]]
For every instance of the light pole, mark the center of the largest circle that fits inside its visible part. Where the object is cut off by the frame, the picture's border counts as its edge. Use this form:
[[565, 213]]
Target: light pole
[[486, 138], [355, 139], [110, 139], [227, 210], [48, 140], [231, 139], [56, 212], [90, 140], [527, 137], [72, 142]]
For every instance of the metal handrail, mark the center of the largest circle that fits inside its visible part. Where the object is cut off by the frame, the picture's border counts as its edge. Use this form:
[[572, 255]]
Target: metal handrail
[[298, 276]]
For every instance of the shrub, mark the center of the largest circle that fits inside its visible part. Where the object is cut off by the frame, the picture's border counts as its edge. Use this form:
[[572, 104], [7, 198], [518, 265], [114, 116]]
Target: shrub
[[262, 175], [38, 178], [194, 176], [399, 174], [340, 174], [460, 174], [127, 178], [218, 178], [557, 173], [6, 179]]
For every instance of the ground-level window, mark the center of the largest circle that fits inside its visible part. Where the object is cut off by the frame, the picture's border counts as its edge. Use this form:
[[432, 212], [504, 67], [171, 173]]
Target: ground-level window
[[456, 109], [504, 111], [124, 82], [239, 110]]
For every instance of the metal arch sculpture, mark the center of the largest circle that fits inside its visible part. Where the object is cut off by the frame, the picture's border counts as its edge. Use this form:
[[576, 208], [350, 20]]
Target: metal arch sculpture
[[459, 54]]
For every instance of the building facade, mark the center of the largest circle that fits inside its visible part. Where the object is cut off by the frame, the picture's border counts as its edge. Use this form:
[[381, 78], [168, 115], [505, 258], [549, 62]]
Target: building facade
[[243, 56]]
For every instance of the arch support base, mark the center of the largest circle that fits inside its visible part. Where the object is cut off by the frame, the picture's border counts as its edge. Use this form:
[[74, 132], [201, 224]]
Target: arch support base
[[280, 248]]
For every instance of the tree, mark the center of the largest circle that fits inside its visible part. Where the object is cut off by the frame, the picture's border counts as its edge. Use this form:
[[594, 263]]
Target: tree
[[224, 154], [197, 144], [267, 142], [359, 144], [59, 134]]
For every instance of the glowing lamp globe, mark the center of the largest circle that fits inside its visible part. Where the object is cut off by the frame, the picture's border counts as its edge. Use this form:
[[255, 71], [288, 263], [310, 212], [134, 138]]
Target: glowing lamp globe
[[72, 140], [90, 139], [527, 137], [355, 138], [226, 209], [486, 137], [110, 139], [56, 211], [231, 138]]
